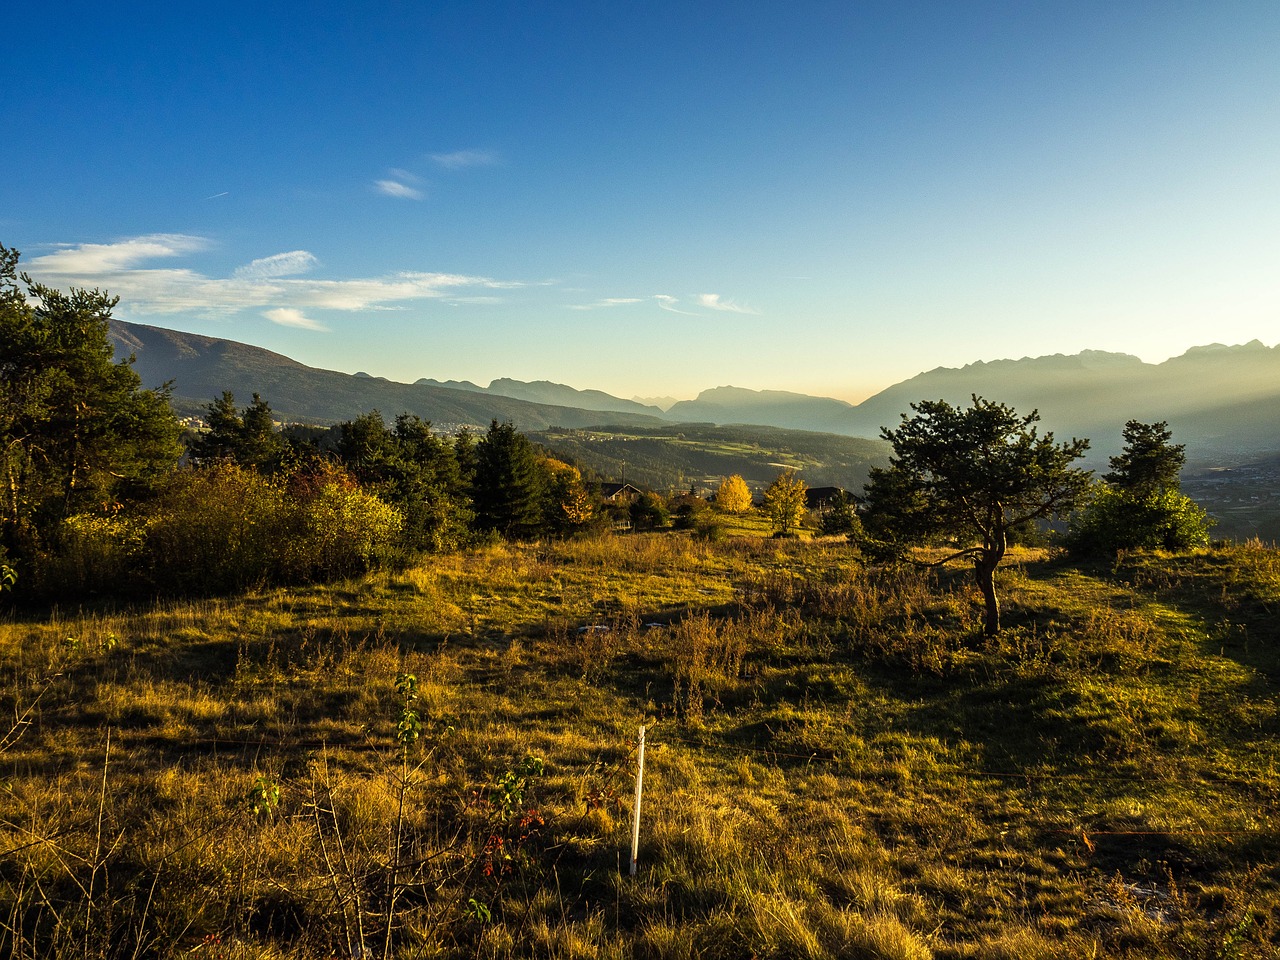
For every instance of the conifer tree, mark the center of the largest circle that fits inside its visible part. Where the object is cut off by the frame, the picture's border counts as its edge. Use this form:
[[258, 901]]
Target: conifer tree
[[77, 431]]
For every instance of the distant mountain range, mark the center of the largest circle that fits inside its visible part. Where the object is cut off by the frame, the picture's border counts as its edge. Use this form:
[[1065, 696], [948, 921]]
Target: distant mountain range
[[1223, 402]]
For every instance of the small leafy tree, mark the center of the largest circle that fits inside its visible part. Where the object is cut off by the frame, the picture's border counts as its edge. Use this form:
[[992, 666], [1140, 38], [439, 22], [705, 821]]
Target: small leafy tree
[[784, 503], [972, 475], [569, 505], [733, 495]]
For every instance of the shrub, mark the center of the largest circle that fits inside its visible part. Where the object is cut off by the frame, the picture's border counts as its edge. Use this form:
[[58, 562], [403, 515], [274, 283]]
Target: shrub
[[688, 511], [340, 530], [1115, 520], [91, 554], [708, 528], [217, 529], [648, 512]]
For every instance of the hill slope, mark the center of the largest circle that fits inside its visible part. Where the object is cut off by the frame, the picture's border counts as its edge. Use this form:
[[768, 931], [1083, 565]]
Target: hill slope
[[835, 768], [202, 367]]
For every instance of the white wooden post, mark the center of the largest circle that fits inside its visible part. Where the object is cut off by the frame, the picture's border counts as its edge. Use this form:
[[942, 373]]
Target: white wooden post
[[635, 823]]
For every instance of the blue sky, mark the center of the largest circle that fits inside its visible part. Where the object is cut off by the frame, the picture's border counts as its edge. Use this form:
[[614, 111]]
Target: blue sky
[[655, 198]]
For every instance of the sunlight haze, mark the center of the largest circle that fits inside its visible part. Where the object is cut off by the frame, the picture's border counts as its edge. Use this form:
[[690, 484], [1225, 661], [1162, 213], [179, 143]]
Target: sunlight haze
[[656, 199]]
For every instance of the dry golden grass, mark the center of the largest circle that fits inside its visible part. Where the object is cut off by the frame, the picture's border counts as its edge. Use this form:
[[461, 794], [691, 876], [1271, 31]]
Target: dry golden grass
[[839, 764]]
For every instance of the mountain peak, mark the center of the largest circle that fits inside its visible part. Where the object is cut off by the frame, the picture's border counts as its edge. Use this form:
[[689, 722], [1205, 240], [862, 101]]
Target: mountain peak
[[1255, 347]]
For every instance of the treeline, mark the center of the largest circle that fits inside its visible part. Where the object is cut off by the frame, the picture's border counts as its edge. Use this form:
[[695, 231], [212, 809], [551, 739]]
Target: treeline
[[104, 492]]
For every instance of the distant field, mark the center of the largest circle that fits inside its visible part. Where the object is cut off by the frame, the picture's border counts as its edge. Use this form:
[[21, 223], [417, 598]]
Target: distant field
[[838, 764], [695, 454], [1244, 499]]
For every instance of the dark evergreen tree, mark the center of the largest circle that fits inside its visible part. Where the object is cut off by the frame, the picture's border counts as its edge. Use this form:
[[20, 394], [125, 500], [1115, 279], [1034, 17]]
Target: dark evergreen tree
[[840, 517], [509, 490], [1149, 462], [261, 444], [248, 438], [411, 468], [464, 452], [77, 431]]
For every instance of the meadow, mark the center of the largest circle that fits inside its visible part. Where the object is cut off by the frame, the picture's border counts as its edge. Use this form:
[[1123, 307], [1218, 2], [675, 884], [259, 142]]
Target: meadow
[[439, 761]]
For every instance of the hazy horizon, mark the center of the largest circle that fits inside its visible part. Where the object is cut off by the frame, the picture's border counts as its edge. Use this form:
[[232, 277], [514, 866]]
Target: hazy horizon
[[665, 402], [825, 200]]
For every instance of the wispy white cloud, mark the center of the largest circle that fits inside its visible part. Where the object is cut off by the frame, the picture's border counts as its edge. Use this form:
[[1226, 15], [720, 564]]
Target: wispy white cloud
[[461, 159], [277, 265], [290, 317], [394, 188], [105, 257], [665, 302], [263, 284], [712, 301], [606, 303], [668, 303]]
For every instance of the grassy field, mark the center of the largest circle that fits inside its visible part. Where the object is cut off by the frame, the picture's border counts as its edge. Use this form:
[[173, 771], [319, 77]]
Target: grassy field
[[440, 761]]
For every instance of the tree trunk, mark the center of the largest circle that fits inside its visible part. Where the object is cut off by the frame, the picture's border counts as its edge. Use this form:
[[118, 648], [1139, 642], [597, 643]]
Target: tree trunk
[[984, 569]]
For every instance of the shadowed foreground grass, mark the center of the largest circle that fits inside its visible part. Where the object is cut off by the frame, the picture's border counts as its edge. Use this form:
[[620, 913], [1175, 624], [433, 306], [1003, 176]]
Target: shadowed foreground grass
[[440, 761]]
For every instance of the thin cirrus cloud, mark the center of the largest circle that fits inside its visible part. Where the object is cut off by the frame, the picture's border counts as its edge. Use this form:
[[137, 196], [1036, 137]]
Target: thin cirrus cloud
[[406, 185], [606, 303], [266, 284], [461, 159], [291, 317], [710, 301], [395, 188], [668, 303]]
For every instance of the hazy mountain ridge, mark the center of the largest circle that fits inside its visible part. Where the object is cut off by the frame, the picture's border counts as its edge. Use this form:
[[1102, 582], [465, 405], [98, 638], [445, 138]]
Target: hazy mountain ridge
[[777, 408], [544, 391], [450, 384], [1222, 401]]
